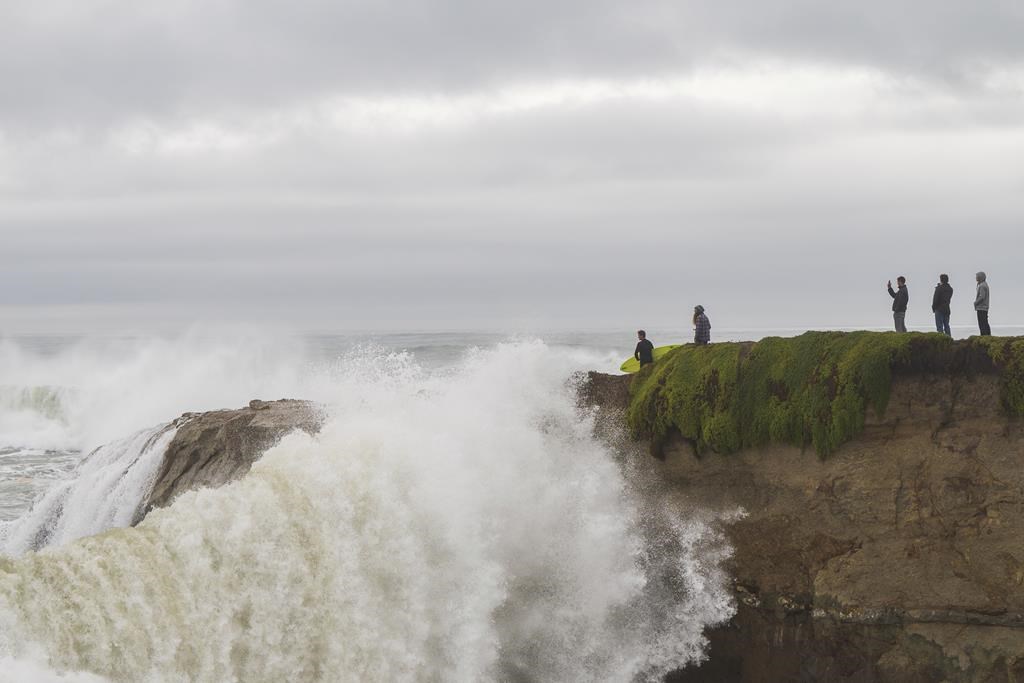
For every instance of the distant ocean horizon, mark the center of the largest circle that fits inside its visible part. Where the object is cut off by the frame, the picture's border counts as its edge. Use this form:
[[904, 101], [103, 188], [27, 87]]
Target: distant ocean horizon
[[445, 345]]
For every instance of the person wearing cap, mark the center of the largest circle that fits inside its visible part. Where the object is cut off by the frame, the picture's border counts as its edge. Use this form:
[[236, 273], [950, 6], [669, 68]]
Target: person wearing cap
[[981, 304], [644, 349], [701, 326]]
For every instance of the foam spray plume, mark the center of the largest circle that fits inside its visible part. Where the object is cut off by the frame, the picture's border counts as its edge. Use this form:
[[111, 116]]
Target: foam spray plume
[[459, 526], [107, 491]]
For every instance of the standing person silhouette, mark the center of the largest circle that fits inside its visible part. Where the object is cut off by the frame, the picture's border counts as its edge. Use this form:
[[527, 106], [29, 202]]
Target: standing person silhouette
[[644, 349], [940, 305], [701, 326], [899, 304], [981, 303]]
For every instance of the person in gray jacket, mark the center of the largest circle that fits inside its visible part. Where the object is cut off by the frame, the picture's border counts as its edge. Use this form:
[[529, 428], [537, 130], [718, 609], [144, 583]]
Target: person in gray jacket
[[981, 304]]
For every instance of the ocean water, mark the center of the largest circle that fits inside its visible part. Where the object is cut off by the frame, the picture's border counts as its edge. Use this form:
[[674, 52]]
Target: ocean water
[[456, 519]]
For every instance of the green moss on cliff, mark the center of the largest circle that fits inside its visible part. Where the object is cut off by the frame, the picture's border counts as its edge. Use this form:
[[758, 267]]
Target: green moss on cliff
[[813, 389], [1007, 353]]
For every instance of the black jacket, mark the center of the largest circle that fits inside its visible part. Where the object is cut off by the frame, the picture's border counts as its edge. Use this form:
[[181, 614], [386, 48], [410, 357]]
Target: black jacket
[[900, 299], [940, 300], [644, 352]]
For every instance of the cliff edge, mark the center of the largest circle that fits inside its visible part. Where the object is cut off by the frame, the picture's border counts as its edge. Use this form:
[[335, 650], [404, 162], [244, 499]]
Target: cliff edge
[[884, 530]]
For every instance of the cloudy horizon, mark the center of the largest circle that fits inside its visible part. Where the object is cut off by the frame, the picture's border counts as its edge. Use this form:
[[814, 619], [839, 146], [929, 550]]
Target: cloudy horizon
[[466, 165]]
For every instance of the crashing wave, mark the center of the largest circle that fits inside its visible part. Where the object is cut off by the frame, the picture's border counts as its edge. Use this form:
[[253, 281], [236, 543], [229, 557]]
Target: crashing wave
[[457, 527], [108, 490]]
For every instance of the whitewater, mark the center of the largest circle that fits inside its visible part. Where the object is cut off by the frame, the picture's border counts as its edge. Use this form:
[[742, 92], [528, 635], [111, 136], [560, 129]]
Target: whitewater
[[455, 521]]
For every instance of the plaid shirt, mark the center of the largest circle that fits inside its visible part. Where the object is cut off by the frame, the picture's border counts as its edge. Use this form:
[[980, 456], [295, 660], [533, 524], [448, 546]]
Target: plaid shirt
[[702, 334]]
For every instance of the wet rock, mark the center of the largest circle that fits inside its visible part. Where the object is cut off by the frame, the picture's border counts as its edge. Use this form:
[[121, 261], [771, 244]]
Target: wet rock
[[211, 449]]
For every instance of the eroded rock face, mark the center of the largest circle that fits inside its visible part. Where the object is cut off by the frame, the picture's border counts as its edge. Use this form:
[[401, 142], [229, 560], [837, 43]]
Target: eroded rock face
[[898, 558], [211, 449]]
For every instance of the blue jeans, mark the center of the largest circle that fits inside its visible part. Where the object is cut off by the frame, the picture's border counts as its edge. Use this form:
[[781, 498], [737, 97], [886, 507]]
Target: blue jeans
[[942, 323]]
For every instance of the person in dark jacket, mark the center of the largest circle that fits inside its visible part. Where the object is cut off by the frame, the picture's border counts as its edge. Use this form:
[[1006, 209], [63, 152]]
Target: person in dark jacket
[[940, 305], [644, 349], [899, 303], [701, 326]]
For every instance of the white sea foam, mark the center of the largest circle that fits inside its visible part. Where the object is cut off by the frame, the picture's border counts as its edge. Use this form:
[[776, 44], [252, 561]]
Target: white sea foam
[[26, 670], [98, 390], [106, 491], [463, 526]]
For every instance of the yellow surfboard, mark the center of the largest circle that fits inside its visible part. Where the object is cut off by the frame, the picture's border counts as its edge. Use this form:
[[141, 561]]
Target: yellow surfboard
[[633, 365]]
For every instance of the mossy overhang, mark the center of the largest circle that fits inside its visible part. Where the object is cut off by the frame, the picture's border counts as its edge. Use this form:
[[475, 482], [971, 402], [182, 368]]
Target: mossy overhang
[[811, 390]]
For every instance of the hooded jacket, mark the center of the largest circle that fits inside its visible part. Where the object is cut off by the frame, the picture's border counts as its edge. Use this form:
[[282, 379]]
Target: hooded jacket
[[982, 299]]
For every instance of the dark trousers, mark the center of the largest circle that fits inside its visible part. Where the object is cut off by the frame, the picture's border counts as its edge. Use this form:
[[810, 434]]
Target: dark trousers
[[983, 324], [942, 323]]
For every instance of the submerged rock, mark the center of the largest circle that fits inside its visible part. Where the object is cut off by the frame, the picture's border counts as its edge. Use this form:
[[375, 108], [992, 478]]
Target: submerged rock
[[211, 449]]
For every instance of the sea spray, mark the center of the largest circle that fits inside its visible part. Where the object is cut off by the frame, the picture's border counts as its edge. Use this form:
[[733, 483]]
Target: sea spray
[[106, 491], [457, 527], [97, 390], [34, 416], [31, 671]]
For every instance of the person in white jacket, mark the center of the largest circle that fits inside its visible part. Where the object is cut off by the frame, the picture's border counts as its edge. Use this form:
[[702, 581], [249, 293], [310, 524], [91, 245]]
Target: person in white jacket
[[981, 304]]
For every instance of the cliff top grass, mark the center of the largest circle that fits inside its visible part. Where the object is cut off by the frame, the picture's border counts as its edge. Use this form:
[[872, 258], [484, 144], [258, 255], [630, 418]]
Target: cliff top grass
[[812, 390]]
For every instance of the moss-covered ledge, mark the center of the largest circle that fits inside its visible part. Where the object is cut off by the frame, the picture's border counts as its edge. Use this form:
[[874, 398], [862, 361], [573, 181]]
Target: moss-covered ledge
[[814, 389]]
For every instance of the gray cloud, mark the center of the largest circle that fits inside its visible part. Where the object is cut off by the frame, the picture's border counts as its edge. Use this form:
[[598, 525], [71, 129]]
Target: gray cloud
[[65, 61], [471, 163]]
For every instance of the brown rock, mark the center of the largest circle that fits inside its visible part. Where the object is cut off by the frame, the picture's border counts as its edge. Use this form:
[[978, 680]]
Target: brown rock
[[211, 449]]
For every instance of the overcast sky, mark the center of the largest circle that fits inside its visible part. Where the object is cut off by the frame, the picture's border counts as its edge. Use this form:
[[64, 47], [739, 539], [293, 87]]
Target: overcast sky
[[378, 164]]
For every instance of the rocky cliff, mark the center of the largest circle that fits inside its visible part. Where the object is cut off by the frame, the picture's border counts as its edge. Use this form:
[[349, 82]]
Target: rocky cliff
[[896, 553]]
